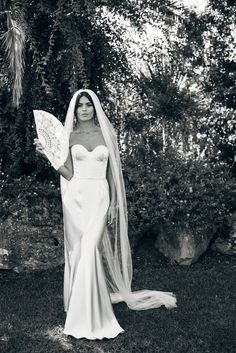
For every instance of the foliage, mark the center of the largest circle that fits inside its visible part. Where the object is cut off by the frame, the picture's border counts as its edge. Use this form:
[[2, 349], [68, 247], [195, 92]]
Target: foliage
[[177, 194], [68, 47], [26, 199], [80, 41], [84, 44], [181, 87], [220, 51], [162, 191], [14, 41], [171, 104], [217, 130]]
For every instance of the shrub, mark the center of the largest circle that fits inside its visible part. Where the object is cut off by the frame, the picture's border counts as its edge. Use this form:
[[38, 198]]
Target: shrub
[[24, 198], [177, 194], [164, 191]]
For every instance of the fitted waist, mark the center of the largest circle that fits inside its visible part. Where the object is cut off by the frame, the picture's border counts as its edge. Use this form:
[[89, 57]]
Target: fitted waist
[[77, 177], [89, 170]]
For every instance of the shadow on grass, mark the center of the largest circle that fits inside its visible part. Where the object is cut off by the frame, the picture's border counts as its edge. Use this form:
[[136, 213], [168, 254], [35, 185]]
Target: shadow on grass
[[32, 315]]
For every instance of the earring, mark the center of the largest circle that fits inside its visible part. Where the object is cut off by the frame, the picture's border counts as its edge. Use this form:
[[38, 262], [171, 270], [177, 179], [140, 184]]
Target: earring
[[75, 122]]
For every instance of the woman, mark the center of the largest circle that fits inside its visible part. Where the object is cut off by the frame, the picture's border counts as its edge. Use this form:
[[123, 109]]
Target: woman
[[95, 226]]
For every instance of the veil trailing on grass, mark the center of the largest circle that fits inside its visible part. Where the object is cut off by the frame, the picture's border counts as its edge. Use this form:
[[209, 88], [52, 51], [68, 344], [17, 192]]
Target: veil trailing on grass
[[115, 245]]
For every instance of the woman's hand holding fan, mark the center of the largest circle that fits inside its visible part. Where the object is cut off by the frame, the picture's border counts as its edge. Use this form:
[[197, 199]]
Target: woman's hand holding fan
[[53, 140]]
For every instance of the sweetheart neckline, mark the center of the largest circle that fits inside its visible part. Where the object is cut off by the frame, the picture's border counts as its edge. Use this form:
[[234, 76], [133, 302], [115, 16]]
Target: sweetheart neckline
[[79, 144]]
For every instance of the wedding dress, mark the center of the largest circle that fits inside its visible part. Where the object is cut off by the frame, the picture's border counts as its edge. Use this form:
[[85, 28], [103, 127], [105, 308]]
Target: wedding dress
[[85, 204]]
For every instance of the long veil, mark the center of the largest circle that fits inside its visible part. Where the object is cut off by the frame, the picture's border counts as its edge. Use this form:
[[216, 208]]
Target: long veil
[[115, 244]]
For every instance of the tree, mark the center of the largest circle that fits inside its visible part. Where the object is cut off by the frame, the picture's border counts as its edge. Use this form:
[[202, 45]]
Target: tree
[[220, 45], [68, 45]]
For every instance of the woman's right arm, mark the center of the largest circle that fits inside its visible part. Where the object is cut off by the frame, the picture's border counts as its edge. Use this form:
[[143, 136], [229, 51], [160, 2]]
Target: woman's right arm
[[65, 170]]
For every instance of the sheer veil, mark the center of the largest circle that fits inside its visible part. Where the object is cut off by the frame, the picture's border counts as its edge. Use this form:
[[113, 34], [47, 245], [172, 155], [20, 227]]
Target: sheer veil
[[115, 246]]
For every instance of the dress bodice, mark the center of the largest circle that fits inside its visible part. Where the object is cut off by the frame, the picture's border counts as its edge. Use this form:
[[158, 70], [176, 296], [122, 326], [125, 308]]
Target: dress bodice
[[89, 164]]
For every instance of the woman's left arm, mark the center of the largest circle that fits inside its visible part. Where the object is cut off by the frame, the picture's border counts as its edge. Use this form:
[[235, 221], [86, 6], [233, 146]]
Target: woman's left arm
[[113, 199]]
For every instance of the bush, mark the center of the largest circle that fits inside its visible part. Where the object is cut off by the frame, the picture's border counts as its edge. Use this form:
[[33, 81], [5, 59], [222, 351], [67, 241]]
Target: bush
[[175, 194], [29, 200], [164, 191]]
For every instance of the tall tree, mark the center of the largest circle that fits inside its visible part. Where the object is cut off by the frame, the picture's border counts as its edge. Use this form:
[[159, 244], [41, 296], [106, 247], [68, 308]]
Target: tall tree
[[219, 56], [68, 45]]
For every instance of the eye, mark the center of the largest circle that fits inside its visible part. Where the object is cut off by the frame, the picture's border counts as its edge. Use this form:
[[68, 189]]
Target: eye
[[89, 104]]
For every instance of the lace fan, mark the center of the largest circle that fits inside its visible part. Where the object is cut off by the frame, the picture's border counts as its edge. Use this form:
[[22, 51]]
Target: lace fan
[[53, 137]]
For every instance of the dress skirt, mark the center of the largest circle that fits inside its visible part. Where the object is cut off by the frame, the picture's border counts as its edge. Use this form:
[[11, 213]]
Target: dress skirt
[[89, 312]]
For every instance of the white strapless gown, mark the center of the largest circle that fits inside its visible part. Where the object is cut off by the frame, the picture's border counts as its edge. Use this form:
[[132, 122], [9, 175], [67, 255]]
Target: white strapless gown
[[85, 204]]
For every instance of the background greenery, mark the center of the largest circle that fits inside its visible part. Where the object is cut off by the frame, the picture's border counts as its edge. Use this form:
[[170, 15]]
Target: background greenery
[[171, 99]]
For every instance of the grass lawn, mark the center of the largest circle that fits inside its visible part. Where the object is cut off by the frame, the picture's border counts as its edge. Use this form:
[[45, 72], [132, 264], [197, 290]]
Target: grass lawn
[[32, 316]]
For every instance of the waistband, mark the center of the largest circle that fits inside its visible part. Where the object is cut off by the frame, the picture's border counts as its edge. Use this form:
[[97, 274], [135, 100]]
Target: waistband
[[77, 177]]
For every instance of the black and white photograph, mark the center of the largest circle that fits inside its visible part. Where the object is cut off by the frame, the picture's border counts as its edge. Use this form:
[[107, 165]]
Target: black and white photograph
[[117, 176]]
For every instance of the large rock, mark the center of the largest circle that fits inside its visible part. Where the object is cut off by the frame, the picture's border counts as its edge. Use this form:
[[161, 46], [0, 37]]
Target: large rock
[[25, 247], [227, 245], [182, 246], [224, 246]]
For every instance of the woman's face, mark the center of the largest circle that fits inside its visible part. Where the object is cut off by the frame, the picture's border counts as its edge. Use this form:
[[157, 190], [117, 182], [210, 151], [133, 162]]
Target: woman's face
[[84, 110]]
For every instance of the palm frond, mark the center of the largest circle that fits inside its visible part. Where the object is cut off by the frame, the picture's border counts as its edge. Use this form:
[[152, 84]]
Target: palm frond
[[14, 42]]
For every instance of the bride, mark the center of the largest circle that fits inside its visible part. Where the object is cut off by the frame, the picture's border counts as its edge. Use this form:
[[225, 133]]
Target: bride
[[98, 263]]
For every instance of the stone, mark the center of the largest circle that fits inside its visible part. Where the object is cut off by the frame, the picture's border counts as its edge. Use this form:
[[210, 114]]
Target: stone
[[232, 226], [4, 253], [26, 247], [34, 264], [224, 246], [182, 247], [227, 245]]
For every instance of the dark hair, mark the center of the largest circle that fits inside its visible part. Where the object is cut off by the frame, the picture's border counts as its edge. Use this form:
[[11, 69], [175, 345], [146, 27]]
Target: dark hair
[[83, 94]]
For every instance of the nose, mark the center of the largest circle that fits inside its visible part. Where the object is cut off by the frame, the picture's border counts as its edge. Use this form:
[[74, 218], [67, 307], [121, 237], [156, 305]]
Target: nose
[[84, 107]]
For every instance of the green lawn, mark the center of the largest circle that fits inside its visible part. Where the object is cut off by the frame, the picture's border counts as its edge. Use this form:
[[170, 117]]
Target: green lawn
[[32, 315]]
